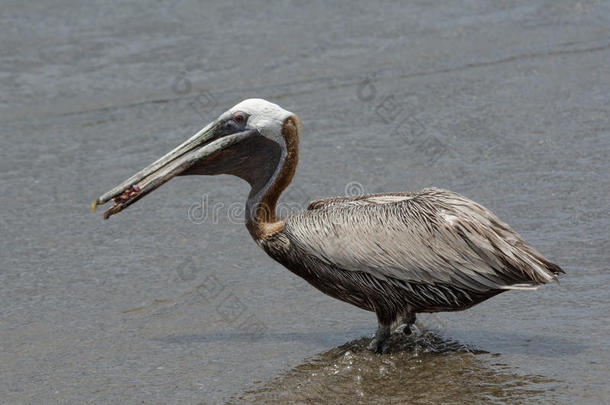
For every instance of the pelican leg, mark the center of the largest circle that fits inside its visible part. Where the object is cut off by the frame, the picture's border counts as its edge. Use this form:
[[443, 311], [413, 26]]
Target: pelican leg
[[381, 336], [408, 320]]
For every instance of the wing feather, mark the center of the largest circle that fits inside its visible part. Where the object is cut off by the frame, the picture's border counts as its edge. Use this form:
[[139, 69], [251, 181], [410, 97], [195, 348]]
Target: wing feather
[[431, 236]]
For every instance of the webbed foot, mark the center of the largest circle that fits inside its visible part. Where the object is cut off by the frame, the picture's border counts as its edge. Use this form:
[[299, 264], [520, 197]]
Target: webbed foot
[[408, 320], [378, 344]]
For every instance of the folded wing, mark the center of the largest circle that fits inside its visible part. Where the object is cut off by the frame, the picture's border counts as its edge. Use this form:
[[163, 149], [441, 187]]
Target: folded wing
[[431, 236]]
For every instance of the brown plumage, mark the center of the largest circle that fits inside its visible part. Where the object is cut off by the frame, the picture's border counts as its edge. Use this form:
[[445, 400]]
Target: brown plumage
[[395, 254]]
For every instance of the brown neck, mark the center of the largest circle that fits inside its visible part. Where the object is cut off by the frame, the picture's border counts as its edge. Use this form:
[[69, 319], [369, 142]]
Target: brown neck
[[278, 169]]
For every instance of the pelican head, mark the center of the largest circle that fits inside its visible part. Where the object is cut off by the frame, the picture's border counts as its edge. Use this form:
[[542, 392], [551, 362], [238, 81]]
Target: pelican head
[[253, 140]]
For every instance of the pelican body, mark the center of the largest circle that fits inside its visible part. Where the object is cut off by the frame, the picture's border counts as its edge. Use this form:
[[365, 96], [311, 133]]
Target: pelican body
[[395, 254]]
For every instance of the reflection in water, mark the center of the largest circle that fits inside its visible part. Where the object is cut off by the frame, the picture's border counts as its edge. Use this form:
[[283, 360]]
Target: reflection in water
[[422, 369]]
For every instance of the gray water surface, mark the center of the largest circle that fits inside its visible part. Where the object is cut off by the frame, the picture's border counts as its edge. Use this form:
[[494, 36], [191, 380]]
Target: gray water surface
[[167, 302]]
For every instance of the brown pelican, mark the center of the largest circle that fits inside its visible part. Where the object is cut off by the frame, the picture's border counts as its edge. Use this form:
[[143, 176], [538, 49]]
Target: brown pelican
[[395, 254]]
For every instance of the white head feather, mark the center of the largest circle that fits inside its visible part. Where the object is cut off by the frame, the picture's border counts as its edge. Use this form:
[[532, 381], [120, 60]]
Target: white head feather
[[265, 116]]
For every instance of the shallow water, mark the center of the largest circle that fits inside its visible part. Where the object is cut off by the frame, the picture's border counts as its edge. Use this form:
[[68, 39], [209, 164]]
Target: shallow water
[[505, 102], [351, 373]]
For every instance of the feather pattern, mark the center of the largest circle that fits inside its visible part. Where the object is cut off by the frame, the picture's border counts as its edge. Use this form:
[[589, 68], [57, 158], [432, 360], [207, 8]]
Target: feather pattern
[[394, 253]]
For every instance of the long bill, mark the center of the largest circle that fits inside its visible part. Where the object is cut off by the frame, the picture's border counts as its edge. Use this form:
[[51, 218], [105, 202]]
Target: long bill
[[201, 145]]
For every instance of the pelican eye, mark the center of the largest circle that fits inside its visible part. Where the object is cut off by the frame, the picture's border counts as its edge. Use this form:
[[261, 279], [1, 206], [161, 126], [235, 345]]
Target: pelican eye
[[240, 118], [236, 123]]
